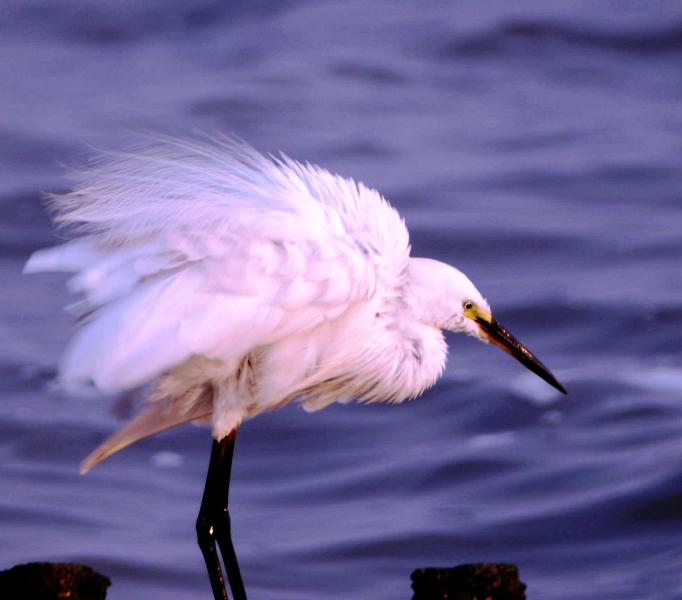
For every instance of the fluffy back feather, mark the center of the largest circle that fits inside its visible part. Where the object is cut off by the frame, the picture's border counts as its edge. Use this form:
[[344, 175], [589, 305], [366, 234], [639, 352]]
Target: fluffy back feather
[[219, 189], [207, 248]]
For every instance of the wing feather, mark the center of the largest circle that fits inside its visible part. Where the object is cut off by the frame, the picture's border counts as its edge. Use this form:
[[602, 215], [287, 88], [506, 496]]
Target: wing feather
[[157, 417], [212, 249]]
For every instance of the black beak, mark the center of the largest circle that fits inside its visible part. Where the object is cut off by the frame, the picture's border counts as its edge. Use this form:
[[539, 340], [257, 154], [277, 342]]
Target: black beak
[[499, 336]]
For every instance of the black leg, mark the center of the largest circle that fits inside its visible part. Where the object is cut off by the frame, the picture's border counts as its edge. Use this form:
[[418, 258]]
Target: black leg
[[213, 522]]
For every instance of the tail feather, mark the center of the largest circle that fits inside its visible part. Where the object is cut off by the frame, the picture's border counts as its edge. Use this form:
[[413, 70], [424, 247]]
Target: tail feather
[[159, 416]]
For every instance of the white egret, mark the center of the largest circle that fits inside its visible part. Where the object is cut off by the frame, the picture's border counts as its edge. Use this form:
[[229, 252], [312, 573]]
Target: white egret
[[236, 283]]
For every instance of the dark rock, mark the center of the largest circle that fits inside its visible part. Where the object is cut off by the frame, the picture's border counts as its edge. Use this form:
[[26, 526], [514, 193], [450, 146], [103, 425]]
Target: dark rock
[[469, 582], [52, 581]]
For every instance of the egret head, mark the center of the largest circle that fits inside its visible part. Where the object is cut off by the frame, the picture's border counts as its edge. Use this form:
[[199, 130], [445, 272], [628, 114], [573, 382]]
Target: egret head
[[449, 300]]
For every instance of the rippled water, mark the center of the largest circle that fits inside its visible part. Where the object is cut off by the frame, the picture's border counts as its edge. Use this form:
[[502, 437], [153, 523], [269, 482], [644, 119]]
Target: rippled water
[[535, 145]]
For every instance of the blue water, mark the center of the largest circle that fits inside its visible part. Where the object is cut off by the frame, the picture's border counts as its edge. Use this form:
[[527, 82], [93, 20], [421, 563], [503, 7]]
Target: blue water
[[535, 145]]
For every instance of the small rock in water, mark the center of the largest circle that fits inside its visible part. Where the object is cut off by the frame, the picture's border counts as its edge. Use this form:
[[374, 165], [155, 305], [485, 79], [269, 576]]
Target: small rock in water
[[469, 582], [52, 581]]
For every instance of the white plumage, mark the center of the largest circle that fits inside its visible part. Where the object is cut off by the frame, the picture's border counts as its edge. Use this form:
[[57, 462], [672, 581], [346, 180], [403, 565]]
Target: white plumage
[[238, 282], [235, 283]]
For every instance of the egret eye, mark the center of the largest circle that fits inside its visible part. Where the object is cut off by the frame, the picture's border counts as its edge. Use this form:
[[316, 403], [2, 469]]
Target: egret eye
[[468, 305]]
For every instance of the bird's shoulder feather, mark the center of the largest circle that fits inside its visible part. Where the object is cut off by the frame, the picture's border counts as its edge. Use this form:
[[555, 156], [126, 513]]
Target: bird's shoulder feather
[[206, 248]]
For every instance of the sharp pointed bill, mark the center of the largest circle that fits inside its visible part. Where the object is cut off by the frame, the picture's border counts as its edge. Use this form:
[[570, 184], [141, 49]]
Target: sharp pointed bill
[[498, 335]]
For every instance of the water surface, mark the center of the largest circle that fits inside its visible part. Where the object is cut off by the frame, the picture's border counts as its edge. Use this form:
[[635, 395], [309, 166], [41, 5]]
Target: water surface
[[535, 145]]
